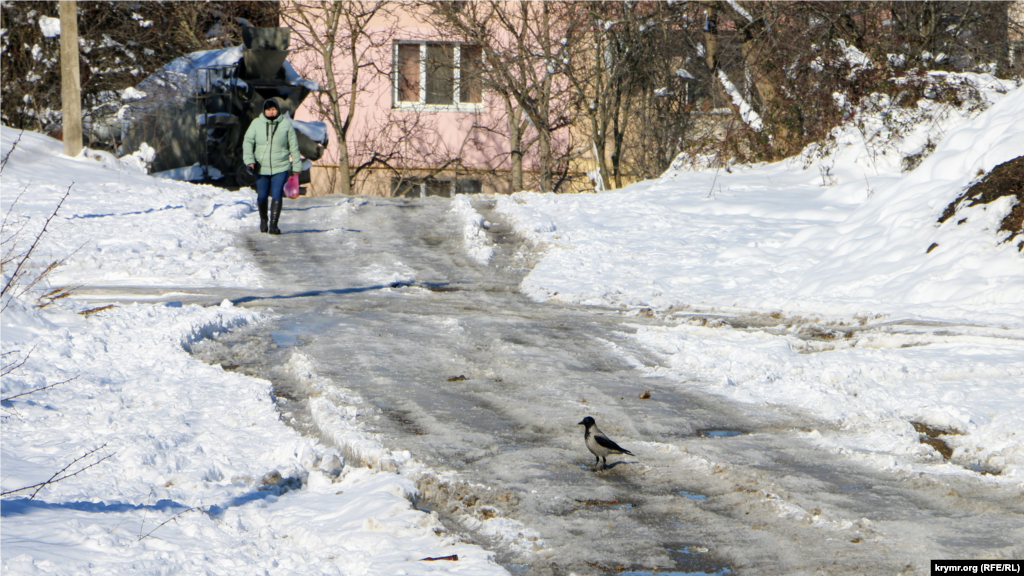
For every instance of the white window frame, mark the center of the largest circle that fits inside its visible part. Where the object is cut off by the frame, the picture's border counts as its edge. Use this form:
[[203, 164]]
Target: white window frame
[[422, 106]]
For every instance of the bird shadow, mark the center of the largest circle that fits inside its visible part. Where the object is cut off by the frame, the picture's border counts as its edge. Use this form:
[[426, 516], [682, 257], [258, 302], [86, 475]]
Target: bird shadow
[[604, 467], [613, 465]]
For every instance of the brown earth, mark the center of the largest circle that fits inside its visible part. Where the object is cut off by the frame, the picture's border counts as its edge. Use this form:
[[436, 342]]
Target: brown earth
[[1006, 179]]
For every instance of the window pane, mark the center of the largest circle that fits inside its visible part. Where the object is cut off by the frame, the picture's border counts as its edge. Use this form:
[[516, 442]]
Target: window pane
[[405, 187], [468, 186], [471, 84], [441, 188], [440, 74], [409, 72]]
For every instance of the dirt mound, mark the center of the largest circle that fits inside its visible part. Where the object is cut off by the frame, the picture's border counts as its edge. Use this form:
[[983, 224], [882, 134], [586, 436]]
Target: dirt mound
[[1006, 179]]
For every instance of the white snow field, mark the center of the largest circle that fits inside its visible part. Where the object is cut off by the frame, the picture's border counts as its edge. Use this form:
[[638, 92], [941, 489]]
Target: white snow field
[[196, 472], [831, 244]]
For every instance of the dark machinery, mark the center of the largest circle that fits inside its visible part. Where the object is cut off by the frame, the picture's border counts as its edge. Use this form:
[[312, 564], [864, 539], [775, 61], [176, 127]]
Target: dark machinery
[[196, 110]]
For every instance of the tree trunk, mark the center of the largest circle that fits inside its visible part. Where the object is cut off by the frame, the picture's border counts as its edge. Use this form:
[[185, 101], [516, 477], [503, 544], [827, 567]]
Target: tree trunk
[[515, 140], [618, 135], [711, 53], [71, 86], [544, 149], [343, 175], [599, 111]]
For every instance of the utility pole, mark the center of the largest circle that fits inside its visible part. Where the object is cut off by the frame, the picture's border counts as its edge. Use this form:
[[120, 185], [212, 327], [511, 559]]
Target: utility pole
[[70, 79]]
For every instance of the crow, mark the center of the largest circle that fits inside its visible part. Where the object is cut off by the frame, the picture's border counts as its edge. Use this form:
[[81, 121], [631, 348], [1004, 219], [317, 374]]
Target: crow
[[599, 444]]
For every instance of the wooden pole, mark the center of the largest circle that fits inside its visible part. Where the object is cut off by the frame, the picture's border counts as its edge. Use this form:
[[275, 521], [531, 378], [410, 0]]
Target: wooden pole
[[70, 80]]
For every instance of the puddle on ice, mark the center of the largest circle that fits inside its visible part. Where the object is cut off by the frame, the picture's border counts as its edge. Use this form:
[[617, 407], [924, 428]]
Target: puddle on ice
[[283, 339], [692, 495], [854, 487], [981, 469], [718, 433], [643, 573], [511, 447], [690, 560]]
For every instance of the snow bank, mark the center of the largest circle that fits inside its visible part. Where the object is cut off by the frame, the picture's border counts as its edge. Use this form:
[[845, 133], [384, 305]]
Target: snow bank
[[119, 226], [836, 243], [192, 443], [878, 254], [192, 468], [841, 234], [477, 244]]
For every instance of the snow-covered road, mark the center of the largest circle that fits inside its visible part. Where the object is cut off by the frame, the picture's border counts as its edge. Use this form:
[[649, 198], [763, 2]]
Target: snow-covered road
[[474, 391]]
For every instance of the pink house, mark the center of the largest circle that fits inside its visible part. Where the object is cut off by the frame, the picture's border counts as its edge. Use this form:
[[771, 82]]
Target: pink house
[[421, 123]]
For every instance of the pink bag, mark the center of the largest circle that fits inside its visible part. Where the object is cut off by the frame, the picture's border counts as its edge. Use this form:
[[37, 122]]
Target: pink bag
[[291, 186]]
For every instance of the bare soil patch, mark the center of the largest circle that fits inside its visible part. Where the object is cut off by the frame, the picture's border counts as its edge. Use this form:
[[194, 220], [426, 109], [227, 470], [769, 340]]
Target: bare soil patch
[[931, 436], [1006, 179]]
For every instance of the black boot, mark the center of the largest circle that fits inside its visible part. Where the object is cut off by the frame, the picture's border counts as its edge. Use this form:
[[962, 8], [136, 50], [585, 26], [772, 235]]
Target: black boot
[[263, 215], [275, 215]]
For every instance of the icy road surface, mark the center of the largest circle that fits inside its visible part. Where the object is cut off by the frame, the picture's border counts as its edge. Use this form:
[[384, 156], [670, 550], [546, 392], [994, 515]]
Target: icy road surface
[[469, 376]]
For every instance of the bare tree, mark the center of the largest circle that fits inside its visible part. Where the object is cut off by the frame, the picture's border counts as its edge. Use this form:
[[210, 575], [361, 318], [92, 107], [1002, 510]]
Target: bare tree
[[525, 48], [967, 34], [630, 86], [786, 61], [346, 49]]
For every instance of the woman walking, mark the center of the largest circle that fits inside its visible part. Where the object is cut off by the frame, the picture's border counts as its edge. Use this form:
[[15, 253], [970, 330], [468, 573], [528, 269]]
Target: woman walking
[[266, 148]]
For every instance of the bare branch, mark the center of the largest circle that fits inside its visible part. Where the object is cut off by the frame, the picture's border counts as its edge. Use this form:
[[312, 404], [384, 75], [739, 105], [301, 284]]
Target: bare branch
[[13, 279], [3, 163], [9, 398], [60, 474], [175, 517]]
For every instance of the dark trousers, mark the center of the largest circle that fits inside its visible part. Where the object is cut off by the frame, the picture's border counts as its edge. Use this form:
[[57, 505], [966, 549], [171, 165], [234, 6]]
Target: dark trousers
[[270, 186]]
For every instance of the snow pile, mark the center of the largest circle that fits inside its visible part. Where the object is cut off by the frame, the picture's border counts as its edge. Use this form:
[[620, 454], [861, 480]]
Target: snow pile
[[173, 465], [119, 226], [50, 27], [840, 233], [881, 138], [140, 160], [838, 245], [883, 252], [473, 230], [193, 173]]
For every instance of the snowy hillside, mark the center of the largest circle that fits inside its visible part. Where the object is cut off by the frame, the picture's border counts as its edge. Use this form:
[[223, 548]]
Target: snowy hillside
[[842, 236], [862, 308], [119, 226], [171, 465]]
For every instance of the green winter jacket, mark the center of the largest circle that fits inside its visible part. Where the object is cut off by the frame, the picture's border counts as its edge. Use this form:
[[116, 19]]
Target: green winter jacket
[[270, 142]]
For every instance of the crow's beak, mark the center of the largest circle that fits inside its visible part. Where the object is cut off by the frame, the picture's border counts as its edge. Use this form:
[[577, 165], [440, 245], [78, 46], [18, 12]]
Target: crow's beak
[[580, 424]]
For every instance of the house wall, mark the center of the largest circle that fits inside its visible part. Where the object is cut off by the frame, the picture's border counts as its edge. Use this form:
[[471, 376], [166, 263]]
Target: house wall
[[412, 141], [424, 142]]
